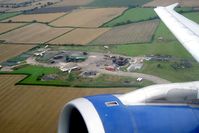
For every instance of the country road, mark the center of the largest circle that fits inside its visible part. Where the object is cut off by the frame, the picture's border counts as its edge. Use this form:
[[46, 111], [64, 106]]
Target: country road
[[154, 79]]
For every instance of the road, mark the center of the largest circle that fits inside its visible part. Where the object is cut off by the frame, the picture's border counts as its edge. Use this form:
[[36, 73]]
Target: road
[[154, 79]]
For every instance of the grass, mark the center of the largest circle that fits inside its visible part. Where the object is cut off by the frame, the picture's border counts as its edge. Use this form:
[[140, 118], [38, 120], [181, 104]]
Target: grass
[[167, 72], [117, 3], [132, 15], [4, 16], [193, 16], [34, 74]]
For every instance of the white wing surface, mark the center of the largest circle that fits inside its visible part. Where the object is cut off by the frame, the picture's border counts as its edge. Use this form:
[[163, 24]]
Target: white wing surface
[[185, 30]]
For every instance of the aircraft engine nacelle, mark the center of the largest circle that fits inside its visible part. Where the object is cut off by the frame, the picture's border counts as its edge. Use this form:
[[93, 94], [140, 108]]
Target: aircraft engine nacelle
[[112, 114]]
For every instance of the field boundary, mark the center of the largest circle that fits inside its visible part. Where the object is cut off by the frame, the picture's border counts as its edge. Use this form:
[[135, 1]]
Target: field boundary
[[15, 28], [59, 36], [114, 19], [59, 17]]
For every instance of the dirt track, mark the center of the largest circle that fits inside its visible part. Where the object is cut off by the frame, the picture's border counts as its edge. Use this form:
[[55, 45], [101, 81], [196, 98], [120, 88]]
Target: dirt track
[[35, 109]]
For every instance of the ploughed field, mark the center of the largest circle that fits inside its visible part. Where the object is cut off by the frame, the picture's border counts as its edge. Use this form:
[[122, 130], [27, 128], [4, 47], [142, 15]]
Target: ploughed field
[[8, 51], [4, 27], [33, 33], [131, 33], [94, 17], [47, 17], [35, 109], [79, 36]]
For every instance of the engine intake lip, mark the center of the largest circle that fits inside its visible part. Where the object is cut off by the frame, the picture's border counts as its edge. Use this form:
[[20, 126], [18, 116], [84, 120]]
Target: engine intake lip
[[82, 110]]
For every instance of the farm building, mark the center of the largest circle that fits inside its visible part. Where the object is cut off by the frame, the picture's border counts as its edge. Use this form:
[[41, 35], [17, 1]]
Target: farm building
[[75, 58]]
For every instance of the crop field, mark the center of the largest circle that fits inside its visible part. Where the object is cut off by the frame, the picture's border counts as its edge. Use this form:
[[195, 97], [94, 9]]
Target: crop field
[[190, 3], [79, 36], [9, 26], [193, 16], [36, 17], [73, 3], [132, 15], [88, 17], [33, 33], [52, 10], [131, 33], [35, 109], [117, 3], [8, 51], [184, 3], [12, 1], [8, 15]]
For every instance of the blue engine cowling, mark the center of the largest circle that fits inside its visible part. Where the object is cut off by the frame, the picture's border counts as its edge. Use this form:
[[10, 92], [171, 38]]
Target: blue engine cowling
[[107, 114]]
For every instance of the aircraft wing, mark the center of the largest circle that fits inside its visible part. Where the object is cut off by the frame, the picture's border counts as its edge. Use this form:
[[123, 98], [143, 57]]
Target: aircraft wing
[[185, 30]]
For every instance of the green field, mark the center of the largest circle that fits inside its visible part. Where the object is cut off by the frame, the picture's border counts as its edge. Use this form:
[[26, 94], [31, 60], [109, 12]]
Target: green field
[[4, 16], [167, 72], [35, 73], [193, 16], [116, 3], [132, 15]]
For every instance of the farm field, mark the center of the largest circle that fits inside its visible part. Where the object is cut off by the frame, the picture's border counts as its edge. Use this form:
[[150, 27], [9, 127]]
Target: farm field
[[117, 3], [9, 26], [190, 3], [72, 3], [88, 17], [48, 17], [167, 72], [79, 36], [193, 16], [35, 109], [183, 3], [12, 1], [8, 15], [130, 33], [8, 51], [132, 15], [52, 9], [33, 33]]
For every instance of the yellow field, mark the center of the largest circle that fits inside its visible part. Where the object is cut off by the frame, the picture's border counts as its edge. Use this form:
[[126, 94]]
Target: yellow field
[[47, 17], [8, 51], [35, 109], [73, 2], [186, 3], [9, 26], [33, 33], [88, 17], [79, 36]]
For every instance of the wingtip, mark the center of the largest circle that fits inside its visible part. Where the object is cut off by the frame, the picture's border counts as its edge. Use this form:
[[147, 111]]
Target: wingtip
[[171, 7]]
